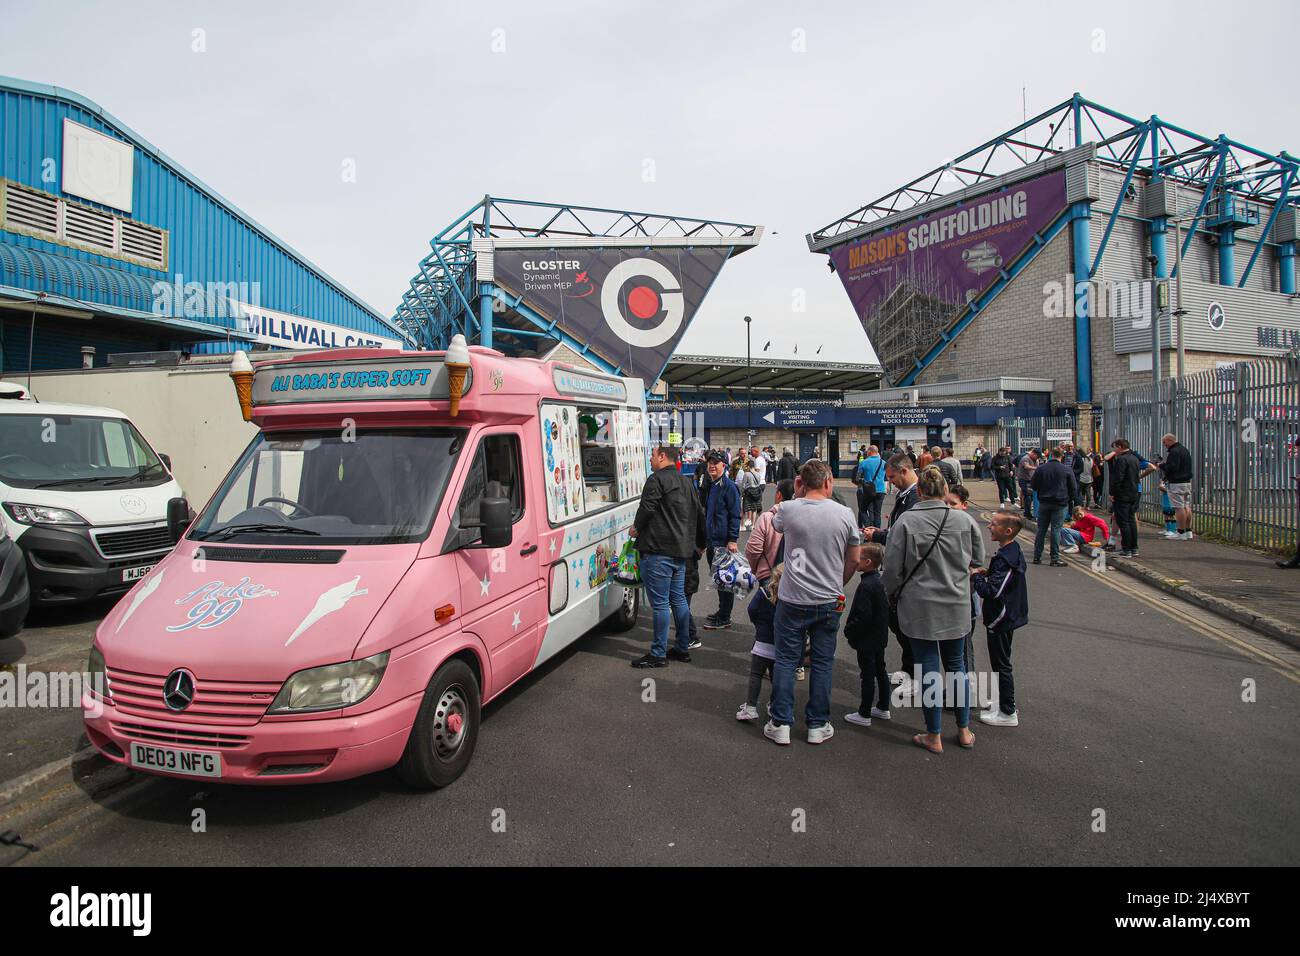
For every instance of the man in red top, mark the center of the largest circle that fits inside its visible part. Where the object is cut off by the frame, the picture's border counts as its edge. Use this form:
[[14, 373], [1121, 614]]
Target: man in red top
[[1086, 529]]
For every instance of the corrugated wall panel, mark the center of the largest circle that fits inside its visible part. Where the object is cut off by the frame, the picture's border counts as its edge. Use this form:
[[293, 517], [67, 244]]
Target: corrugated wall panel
[[209, 242]]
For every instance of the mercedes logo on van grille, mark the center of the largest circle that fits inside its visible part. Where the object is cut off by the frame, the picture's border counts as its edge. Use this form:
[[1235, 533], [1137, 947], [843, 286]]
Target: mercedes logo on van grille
[[178, 689]]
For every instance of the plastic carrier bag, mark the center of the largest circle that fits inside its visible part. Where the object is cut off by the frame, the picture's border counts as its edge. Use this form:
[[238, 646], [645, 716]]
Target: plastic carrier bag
[[731, 572], [625, 569]]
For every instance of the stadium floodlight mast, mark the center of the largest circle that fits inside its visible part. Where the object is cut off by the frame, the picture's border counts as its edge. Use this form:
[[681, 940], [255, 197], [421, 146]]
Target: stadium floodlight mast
[[749, 382]]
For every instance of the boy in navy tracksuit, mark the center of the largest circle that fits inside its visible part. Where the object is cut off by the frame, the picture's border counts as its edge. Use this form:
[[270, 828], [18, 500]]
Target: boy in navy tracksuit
[[867, 631], [1006, 607]]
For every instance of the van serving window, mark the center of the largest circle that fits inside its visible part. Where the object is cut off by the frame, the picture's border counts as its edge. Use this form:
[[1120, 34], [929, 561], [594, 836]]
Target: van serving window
[[594, 457]]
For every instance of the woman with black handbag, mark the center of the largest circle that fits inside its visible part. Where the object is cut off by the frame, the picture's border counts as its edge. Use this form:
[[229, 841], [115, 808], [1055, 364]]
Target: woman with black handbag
[[928, 556]]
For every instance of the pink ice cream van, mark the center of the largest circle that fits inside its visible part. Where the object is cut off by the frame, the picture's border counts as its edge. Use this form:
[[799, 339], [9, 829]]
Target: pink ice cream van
[[377, 565]]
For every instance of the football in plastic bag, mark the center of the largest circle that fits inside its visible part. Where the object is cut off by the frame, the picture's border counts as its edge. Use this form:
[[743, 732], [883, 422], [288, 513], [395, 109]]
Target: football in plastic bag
[[731, 572]]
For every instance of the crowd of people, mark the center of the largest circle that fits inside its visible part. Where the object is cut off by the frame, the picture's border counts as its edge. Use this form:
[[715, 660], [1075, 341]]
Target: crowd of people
[[927, 578]]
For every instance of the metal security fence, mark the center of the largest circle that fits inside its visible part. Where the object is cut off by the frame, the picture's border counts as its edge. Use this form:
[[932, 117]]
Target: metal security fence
[[1022, 434], [1242, 425]]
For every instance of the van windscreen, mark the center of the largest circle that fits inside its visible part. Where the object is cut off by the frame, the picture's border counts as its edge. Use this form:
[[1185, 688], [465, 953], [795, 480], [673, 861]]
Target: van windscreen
[[339, 487], [75, 453]]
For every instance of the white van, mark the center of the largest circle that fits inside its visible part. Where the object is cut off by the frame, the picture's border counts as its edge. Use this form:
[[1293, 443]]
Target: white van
[[83, 496]]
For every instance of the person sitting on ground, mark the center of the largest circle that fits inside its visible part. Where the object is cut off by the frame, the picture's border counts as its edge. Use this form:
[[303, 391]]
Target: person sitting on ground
[[1006, 608], [1086, 530], [866, 629]]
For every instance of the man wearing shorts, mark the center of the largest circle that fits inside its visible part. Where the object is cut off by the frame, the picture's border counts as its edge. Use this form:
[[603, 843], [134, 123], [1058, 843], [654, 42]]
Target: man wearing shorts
[[1176, 470]]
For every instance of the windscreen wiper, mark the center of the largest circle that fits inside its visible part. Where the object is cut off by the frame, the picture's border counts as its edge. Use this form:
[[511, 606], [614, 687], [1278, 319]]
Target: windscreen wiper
[[255, 528], [140, 473], [68, 481]]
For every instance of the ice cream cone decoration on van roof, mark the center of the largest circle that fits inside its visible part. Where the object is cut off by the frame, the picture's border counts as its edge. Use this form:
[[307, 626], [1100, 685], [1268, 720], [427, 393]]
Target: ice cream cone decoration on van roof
[[241, 373], [457, 362]]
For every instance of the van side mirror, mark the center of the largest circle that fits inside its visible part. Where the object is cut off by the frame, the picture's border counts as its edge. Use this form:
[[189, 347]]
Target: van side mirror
[[178, 518], [166, 460], [495, 516]]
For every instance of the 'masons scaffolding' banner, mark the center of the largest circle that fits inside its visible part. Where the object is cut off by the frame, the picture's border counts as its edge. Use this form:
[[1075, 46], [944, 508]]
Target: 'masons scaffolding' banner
[[630, 306], [946, 258]]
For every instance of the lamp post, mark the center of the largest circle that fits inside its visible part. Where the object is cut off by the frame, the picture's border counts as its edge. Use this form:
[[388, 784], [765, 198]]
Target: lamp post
[[749, 383]]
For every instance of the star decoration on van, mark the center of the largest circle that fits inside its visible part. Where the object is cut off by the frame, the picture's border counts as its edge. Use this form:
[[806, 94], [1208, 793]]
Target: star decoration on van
[[552, 546], [516, 622], [485, 584]]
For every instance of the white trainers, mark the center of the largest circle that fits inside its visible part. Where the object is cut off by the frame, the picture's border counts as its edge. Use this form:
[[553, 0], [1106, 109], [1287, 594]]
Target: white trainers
[[854, 717], [882, 714], [998, 719], [1186, 536], [747, 712], [1070, 549], [1170, 534], [819, 735], [778, 735]]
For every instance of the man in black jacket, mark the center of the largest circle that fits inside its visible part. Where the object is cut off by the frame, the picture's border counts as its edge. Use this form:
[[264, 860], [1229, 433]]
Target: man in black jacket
[[1056, 488], [1001, 464], [669, 531], [1125, 490], [900, 473], [1176, 472], [787, 467]]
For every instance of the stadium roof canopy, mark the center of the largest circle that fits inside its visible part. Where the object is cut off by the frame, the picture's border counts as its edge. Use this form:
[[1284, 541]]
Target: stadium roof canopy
[[701, 372], [1152, 147], [446, 297]]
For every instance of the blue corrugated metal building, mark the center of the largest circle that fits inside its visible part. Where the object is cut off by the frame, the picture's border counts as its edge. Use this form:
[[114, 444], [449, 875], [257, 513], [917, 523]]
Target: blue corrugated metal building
[[105, 243]]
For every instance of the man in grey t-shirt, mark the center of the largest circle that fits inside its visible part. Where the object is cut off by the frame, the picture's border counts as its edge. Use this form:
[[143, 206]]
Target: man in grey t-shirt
[[821, 544]]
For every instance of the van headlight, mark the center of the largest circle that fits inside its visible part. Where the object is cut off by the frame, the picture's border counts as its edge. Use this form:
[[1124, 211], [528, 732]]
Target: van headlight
[[330, 687], [98, 674], [39, 514]]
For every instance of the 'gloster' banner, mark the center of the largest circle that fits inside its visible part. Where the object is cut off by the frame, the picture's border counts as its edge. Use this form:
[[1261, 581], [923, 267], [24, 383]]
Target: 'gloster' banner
[[630, 306], [909, 283]]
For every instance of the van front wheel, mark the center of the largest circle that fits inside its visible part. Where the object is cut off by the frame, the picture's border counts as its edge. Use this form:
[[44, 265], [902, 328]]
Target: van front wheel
[[445, 730], [624, 619]]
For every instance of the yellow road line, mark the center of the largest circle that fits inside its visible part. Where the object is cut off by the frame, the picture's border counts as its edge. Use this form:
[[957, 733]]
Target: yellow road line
[[1130, 586]]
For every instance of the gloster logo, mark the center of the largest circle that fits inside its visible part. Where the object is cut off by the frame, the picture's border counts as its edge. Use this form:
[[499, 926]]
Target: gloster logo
[[217, 602]]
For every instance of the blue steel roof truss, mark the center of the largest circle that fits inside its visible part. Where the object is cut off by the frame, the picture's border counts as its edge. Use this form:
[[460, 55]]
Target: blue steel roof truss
[[1216, 165], [440, 301]]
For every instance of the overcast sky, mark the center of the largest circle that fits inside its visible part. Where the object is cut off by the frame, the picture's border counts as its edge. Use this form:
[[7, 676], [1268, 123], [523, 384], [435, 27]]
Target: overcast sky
[[741, 117]]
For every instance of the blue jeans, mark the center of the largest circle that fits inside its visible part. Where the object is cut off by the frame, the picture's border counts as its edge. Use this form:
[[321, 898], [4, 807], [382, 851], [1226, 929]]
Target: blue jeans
[[1070, 536], [934, 658], [821, 623], [1050, 518], [664, 578]]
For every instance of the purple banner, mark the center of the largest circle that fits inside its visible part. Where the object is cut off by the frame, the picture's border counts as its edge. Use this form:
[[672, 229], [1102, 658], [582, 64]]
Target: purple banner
[[909, 283]]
